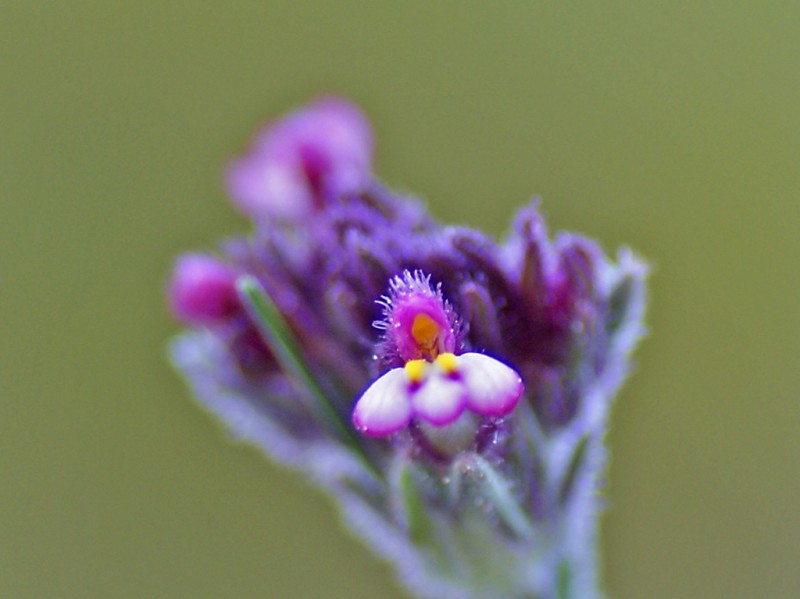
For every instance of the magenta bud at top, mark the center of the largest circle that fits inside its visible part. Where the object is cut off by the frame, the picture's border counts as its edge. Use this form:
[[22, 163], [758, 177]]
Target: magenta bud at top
[[202, 289], [299, 163]]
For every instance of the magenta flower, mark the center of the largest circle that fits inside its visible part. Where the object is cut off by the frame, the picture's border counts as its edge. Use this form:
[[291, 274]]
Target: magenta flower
[[434, 385], [307, 159], [202, 293]]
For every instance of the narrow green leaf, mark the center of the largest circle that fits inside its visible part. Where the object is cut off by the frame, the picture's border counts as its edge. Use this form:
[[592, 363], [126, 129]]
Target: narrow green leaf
[[413, 506], [626, 298], [618, 302], [574, 465], [282, 344], [564, 580], [499, 493]]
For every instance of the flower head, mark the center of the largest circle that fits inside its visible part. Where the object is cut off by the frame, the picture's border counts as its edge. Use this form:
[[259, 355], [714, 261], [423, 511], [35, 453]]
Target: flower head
[[500, 482]]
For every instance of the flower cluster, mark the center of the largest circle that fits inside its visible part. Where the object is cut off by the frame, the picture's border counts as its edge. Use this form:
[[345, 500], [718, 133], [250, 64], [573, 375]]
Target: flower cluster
[[451, 392]]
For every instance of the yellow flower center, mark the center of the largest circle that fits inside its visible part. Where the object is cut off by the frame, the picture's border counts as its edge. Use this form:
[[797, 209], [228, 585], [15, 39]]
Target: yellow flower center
[[446, 362], [415, 370]]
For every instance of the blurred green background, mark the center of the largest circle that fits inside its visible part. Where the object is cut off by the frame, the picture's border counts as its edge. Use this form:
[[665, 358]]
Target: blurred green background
[[672, 127]]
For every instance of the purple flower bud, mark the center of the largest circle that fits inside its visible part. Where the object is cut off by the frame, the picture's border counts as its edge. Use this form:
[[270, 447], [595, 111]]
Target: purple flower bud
[[202, 290], [304, 161]]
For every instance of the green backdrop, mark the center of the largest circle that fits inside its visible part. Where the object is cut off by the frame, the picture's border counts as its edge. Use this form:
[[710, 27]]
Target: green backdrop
[[672, 127]]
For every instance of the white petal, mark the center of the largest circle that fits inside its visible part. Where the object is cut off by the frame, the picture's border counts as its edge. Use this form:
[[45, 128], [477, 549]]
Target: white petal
[[493, 388], [440, 399], [384, 407]]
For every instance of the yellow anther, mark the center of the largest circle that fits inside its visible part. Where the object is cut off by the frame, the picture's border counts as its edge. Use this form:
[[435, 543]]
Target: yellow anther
[[415, 369], [446, 362], [425, 331]]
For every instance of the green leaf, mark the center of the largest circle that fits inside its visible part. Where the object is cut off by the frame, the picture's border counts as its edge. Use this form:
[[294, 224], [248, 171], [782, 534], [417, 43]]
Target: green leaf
[[564, 580], [498, 492], [574, 465], [281, 342], [416, 517]]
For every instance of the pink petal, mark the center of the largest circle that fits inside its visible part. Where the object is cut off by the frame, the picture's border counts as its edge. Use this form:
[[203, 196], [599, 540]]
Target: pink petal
[[493, 388], [440, 400], [384, 408]]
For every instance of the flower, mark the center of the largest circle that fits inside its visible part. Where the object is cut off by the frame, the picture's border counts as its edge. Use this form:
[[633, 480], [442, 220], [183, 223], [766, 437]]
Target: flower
[[202, 293], [434, 385], [297, 165], [202, 290]]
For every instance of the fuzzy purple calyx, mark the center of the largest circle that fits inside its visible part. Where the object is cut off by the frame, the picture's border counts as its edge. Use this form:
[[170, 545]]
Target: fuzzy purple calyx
[[298, 164], [437, 393]]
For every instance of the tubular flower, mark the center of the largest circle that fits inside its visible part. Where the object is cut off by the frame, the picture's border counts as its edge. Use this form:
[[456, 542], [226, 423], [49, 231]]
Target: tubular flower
[[434, 385]]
